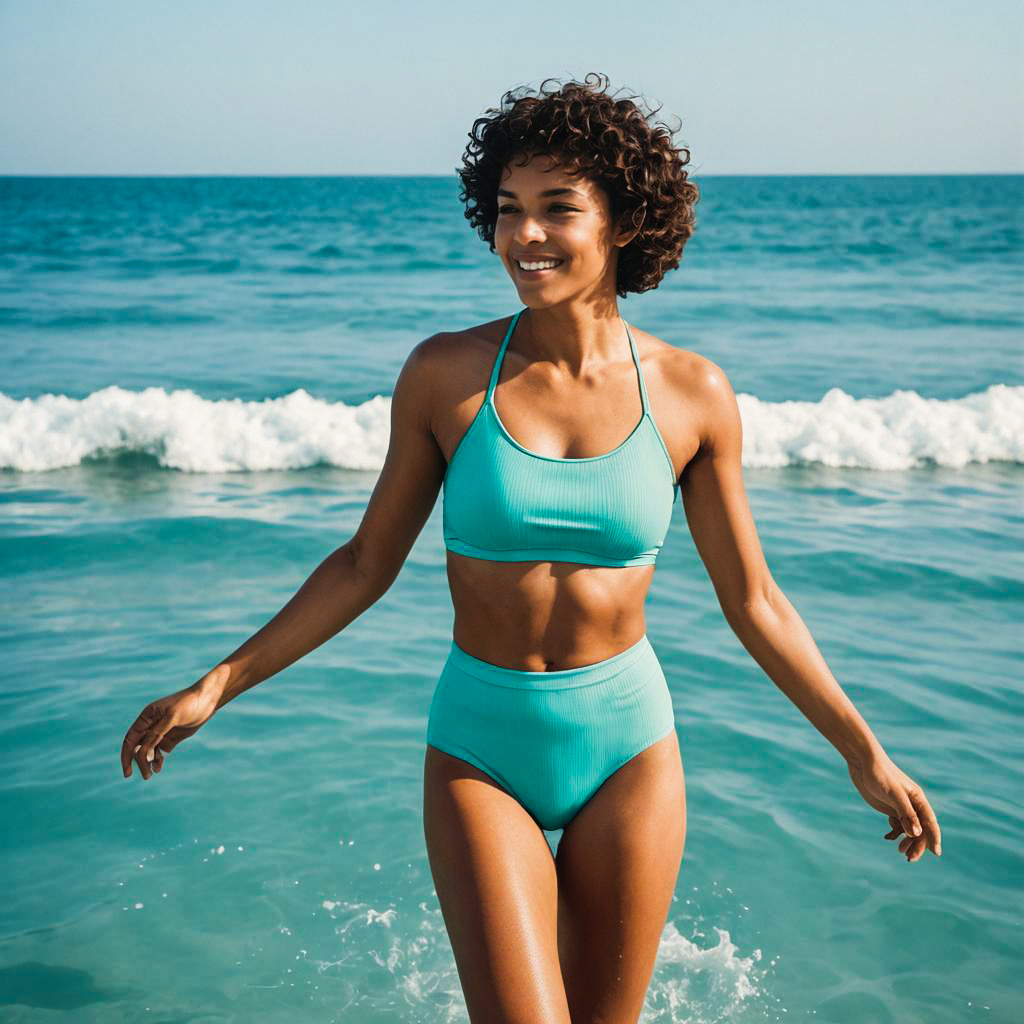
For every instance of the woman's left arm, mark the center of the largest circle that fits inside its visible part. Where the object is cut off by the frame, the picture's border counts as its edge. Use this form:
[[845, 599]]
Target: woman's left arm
[[767, 624]]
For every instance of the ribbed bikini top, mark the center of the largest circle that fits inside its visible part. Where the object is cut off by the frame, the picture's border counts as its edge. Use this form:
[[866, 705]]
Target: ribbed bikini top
[[504, 503]]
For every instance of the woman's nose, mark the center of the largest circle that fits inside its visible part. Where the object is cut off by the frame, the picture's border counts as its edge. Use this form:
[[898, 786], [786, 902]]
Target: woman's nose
[[528, 229]]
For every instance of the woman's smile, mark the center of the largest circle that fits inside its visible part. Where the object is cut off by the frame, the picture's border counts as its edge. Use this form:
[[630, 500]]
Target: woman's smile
[[536, 268]]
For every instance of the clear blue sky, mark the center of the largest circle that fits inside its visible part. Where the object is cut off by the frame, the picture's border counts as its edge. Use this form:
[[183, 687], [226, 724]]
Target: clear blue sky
[[392, 87]]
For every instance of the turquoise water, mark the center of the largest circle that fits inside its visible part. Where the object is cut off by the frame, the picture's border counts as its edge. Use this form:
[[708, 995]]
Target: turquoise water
[[193, 411]]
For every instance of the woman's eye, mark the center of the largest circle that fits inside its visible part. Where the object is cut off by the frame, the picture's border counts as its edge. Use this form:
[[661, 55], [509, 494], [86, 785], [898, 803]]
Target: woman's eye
[[554, 206]]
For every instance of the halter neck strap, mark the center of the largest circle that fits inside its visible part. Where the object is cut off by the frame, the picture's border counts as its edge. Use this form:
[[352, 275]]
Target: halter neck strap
[[496, 370], [501, 354]]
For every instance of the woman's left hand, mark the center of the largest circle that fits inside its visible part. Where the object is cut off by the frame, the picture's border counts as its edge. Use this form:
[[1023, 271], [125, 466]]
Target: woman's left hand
[[894, 793]]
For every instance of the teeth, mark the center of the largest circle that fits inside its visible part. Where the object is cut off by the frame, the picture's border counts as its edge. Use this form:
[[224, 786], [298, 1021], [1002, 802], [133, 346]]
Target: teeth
[[541, 265]]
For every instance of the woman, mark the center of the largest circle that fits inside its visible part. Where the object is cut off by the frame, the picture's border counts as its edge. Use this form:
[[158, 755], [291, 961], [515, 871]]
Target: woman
[[561, 437]]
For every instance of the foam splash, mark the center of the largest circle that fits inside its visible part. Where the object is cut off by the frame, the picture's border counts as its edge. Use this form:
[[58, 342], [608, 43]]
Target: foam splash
[[415, 962], [692, 984], [702, 984], [184, 431]]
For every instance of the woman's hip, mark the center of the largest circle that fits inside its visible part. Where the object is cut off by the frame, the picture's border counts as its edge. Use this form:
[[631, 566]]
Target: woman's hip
[[624, 694]]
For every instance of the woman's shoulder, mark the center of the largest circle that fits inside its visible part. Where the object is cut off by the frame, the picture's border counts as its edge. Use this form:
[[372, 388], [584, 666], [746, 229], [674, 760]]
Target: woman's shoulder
[[456, 361], [451, 368], [684, 371], [702, 388], [695, 398], [463, 344]]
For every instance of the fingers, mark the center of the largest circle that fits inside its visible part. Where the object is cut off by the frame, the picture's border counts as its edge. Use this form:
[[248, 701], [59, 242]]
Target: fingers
[[913, 847], [157, 762], [145, 755], [145, 750], [926, 816], [905, 810], [132, 738], [909, 812], [920, 820], [916, 819]]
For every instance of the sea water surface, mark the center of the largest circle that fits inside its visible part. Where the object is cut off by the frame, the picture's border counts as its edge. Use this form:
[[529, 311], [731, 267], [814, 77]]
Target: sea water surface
[[194, 407]]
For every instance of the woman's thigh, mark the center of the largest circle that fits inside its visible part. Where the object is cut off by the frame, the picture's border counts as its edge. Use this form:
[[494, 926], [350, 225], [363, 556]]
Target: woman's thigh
[[497, 887], [617, 863]]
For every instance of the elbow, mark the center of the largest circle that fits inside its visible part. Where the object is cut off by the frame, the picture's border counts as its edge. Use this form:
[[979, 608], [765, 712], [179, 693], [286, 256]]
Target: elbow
[[753, 607], [373, 572]]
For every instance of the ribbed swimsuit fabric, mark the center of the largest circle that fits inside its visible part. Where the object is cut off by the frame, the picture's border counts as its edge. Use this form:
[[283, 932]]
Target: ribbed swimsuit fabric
[[505, 503], [551, 739]]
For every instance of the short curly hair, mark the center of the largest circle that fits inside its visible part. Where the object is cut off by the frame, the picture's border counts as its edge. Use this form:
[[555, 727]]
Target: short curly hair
[[605, 139]]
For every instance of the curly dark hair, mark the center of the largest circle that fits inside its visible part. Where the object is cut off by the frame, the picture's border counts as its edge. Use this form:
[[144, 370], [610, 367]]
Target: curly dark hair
[[609, 141]]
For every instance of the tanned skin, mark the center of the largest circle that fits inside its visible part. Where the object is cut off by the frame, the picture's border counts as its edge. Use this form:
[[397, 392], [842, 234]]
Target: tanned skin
[[571, 938]]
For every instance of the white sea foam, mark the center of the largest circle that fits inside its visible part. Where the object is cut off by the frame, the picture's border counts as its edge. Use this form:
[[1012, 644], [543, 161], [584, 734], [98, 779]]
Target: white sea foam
[[184, 431], [187, 432], [715, 978], [900, 431]]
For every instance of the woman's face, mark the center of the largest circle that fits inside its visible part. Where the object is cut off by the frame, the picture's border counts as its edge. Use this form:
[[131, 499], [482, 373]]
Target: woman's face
[[572, 226]]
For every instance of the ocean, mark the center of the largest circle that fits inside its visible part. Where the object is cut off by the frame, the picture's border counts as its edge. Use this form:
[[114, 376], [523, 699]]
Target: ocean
[[194, 399]]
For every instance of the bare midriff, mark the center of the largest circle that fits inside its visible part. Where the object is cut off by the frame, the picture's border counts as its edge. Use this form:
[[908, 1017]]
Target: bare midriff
[[546, 616]]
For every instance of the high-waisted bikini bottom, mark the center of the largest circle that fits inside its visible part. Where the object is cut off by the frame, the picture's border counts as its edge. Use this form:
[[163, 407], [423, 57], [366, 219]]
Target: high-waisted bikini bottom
[[550, 739]]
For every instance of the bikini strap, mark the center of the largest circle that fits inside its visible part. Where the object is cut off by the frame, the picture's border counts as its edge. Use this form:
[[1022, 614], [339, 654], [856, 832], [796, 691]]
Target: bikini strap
[[496, 370], [501, 354], [639, 372]]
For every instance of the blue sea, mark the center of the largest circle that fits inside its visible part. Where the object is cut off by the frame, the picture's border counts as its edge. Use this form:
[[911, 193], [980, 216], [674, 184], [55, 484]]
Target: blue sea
[[194, 407]]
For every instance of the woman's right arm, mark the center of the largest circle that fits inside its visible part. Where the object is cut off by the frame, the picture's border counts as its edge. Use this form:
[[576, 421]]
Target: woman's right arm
[[346, 583]]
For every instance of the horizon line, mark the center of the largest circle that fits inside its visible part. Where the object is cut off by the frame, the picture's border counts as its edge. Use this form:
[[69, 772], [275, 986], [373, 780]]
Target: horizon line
[[454, 174]]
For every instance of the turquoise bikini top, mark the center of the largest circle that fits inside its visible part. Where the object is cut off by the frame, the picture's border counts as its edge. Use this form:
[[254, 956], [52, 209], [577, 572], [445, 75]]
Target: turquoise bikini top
[[504, 503]]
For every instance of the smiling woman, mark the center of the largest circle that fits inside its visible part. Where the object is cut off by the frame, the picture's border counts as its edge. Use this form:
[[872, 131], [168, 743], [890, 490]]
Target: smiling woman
[[610, 142], [552, 710]]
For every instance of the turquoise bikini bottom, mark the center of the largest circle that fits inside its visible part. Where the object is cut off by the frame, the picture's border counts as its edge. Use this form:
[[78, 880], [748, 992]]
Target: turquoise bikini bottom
[[550, 739]]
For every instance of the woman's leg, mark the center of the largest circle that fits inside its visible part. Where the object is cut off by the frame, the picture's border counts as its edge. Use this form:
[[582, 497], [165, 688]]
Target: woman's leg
[[496, 884], [617, 864]]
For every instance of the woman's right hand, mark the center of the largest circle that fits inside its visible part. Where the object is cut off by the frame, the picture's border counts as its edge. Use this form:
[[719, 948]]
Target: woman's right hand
[[164, 723]]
